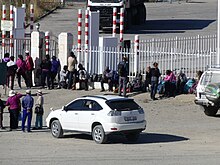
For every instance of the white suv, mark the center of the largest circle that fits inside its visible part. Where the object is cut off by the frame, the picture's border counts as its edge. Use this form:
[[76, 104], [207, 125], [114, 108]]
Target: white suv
[[99, 116], [211, 76]]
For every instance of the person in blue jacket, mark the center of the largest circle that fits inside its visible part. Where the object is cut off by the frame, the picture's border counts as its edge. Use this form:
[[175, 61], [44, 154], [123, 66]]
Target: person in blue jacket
[[27, 105]]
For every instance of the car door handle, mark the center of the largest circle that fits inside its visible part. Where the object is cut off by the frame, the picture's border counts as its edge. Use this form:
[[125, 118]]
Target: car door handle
[[76, 113], [92, 114]]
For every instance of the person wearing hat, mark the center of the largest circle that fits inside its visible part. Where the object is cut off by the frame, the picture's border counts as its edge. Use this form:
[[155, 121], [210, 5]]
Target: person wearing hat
[[27, 105], [30, 67], [39, 110], [14, 106]]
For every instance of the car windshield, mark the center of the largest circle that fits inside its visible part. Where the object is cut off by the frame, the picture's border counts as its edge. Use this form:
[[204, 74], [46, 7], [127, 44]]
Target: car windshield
[[106, 1], [210, 78], [123, 105]]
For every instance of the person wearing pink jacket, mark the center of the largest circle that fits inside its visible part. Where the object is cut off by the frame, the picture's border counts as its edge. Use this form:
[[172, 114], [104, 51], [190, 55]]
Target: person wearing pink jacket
[[21, 64], [170, 84], [14, 106]]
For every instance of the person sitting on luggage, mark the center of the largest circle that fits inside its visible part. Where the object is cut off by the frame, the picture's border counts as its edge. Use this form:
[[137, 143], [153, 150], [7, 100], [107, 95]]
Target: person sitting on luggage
[[82, 76], [170, 84], [107, 78], [63, 78]]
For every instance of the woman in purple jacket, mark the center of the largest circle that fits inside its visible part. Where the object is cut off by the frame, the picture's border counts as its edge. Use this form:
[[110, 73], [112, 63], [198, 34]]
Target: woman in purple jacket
[[21, 64], [14, 106]]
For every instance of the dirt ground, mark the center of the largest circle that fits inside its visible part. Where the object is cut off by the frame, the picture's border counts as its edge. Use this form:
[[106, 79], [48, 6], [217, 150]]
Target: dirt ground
[[177, 132]]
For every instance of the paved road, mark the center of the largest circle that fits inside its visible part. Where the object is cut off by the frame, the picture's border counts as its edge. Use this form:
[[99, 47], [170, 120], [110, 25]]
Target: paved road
[[163, 20], [177, 133]]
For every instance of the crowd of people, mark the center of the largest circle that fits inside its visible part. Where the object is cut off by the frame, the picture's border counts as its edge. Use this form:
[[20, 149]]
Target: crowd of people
[[24, 107], [166, 86]]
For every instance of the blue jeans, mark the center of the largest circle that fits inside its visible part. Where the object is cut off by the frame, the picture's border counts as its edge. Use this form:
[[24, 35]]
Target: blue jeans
[[26, 115], [153, 89], [122, 85], [39, 121]]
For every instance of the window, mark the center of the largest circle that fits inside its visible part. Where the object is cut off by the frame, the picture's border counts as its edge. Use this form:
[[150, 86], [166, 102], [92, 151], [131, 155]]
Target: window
[[123, 105], [83, 105], [76, 105], [91, 105]]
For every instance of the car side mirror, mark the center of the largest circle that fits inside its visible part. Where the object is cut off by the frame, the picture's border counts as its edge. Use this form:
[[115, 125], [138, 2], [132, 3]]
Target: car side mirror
[[64, 108]]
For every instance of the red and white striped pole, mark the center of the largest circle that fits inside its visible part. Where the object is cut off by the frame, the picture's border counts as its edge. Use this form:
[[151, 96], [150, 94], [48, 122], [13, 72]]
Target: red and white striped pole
[[86, 37], [47, 42], [136, 53], [3, 32], [121, 26], [79, 32], [12, 31], [31, 18], [114, 22], [24, 7]]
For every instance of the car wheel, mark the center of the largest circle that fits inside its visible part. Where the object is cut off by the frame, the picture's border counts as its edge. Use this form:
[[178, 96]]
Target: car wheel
[[210, 110], [98, 134], [132, 137], [56, 129]]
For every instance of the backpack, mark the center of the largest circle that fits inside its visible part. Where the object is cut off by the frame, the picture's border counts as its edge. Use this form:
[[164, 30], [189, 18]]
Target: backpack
[[121, 69]]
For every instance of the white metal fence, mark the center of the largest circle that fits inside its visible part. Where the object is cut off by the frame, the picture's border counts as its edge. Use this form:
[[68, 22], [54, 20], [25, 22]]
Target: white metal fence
[[188, 54]]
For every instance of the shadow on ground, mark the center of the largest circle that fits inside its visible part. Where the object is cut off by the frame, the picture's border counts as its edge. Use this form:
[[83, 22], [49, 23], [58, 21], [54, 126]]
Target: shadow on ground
[[170, 26], [145, 138]]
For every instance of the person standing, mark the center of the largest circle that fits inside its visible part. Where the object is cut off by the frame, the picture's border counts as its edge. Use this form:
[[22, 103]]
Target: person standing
[[21, 70], [123, 75], [72, 61], [154, 77], [45, 71], [14, 106], [27, 105], [39, 110], [55, 65], [30, 67], [11, 70], [2, 106]]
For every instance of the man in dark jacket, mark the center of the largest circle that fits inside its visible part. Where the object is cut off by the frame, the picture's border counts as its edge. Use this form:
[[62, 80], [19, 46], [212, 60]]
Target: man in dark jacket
[[123, 75], [154, 76], [55, 65], [45, 71]]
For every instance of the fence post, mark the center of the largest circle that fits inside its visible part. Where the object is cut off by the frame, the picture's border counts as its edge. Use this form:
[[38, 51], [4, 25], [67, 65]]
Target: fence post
[[136, 54], [47, 42], [31, 18], [79, 34], [114, 21], [86, 38], [12, 31], [121, 26], [3, 32]]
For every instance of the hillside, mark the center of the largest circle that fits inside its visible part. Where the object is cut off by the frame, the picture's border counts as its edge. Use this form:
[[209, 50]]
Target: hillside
[[40, 6]]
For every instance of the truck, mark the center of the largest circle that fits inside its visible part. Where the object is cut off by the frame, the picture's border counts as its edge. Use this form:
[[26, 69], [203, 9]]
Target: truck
[[208, 91], [134, 12]]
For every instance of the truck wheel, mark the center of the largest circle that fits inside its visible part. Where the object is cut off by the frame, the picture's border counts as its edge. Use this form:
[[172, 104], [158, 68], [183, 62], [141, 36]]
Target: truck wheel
[[210, 110], [142, 14], [128, 20]]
